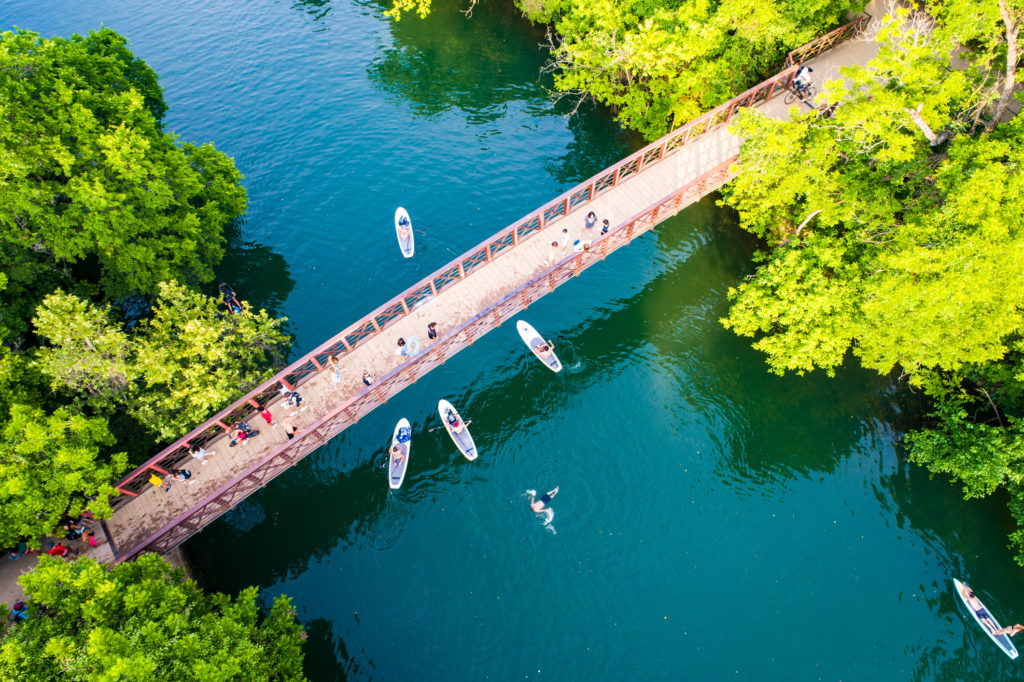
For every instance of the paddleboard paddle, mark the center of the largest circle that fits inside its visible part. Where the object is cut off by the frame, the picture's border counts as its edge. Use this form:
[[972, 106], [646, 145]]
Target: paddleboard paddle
[[468, 422]]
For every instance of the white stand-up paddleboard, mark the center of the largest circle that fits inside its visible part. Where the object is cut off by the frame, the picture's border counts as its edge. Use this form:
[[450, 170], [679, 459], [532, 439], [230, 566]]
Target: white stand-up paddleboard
[[463, 441], [403, 230], [1002, 640], [403, 439], [535, 342]]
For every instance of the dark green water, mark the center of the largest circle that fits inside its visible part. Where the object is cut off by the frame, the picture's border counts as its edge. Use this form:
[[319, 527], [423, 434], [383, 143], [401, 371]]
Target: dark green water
[[714, 522]]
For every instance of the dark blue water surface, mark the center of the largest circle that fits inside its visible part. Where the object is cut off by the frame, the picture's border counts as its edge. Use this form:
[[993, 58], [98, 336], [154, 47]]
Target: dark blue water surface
[[713, 521]]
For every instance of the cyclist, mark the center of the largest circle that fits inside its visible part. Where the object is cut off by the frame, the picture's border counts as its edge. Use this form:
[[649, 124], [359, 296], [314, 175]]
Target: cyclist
[[802, 81]]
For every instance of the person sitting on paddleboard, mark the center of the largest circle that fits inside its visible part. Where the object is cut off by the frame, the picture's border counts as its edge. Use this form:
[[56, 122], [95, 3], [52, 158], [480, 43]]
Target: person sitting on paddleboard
[[396, 454], [545, 349], [403, 228], [453, 421], [539, 505]]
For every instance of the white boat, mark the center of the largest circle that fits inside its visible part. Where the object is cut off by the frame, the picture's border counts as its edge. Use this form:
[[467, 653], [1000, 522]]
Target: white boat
[[403, 230], [451, 419], [982, 614], [397, 466], [541, 348]]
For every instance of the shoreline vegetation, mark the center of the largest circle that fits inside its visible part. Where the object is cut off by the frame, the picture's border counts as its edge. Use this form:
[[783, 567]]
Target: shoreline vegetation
[[890, 224], [911, 262], [111, 228], [659, 65]]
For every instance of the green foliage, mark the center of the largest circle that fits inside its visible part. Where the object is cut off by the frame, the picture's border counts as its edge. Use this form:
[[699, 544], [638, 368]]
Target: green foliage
[[88, 353], [659, 65], [186, 362], [976, 430], [87, 175], [399, 7], [908, 258], [194, 359], [143, 621], [50, 462], [908, 254]]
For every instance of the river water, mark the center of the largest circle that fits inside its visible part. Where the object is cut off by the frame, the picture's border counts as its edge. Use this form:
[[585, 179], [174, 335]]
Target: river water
[[713, 521]]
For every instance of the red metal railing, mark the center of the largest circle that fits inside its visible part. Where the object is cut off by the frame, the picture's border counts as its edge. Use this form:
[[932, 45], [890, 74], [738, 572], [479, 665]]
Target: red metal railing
[[259, 473], [827, 41], [400, 306]]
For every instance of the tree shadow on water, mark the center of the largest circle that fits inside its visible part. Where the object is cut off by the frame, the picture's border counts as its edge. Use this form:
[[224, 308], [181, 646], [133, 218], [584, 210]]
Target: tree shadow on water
[[258, 274], [326, 656], [476, 64], [316, 10], [598, 142]]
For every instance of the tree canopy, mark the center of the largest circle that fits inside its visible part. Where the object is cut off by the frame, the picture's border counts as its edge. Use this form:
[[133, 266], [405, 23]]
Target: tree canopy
[[50, 462], [89, 178], [97, 204], [172, 371], [661, 64], [893, 231], [142, 620]]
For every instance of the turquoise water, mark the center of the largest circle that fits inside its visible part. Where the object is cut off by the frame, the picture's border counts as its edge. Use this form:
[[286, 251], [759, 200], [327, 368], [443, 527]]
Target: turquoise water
[[713, 521]]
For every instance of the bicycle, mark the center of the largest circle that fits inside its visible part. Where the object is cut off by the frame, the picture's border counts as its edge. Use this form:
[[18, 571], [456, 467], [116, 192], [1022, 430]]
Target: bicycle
[[804, 93]]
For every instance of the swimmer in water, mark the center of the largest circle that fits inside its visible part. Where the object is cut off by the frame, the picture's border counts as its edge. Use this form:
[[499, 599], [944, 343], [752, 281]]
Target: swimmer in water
[[541, 506]]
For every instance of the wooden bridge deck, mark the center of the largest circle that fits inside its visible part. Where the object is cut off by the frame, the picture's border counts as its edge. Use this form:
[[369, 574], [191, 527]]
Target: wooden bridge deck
[[670, 174]]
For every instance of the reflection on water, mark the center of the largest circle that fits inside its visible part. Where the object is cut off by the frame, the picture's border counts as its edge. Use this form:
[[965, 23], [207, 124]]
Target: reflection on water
[[316, 11], [450, 61], [259, 274], [697, 492], [597, 143]]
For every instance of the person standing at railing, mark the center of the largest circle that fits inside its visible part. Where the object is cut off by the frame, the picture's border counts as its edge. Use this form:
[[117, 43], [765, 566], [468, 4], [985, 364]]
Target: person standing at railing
[[334, 363], [267, 417], [200, 453]]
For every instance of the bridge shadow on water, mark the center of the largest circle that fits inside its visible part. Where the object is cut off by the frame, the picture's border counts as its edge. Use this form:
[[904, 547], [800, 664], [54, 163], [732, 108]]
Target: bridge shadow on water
[[665, 325], [669, 322]]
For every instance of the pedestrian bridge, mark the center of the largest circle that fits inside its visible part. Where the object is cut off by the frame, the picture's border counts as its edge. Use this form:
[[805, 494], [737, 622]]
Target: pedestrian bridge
[[469, 297]]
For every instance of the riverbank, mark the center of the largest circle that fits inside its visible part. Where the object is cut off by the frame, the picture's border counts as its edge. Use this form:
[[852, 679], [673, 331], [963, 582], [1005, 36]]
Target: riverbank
[[10, 571]]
